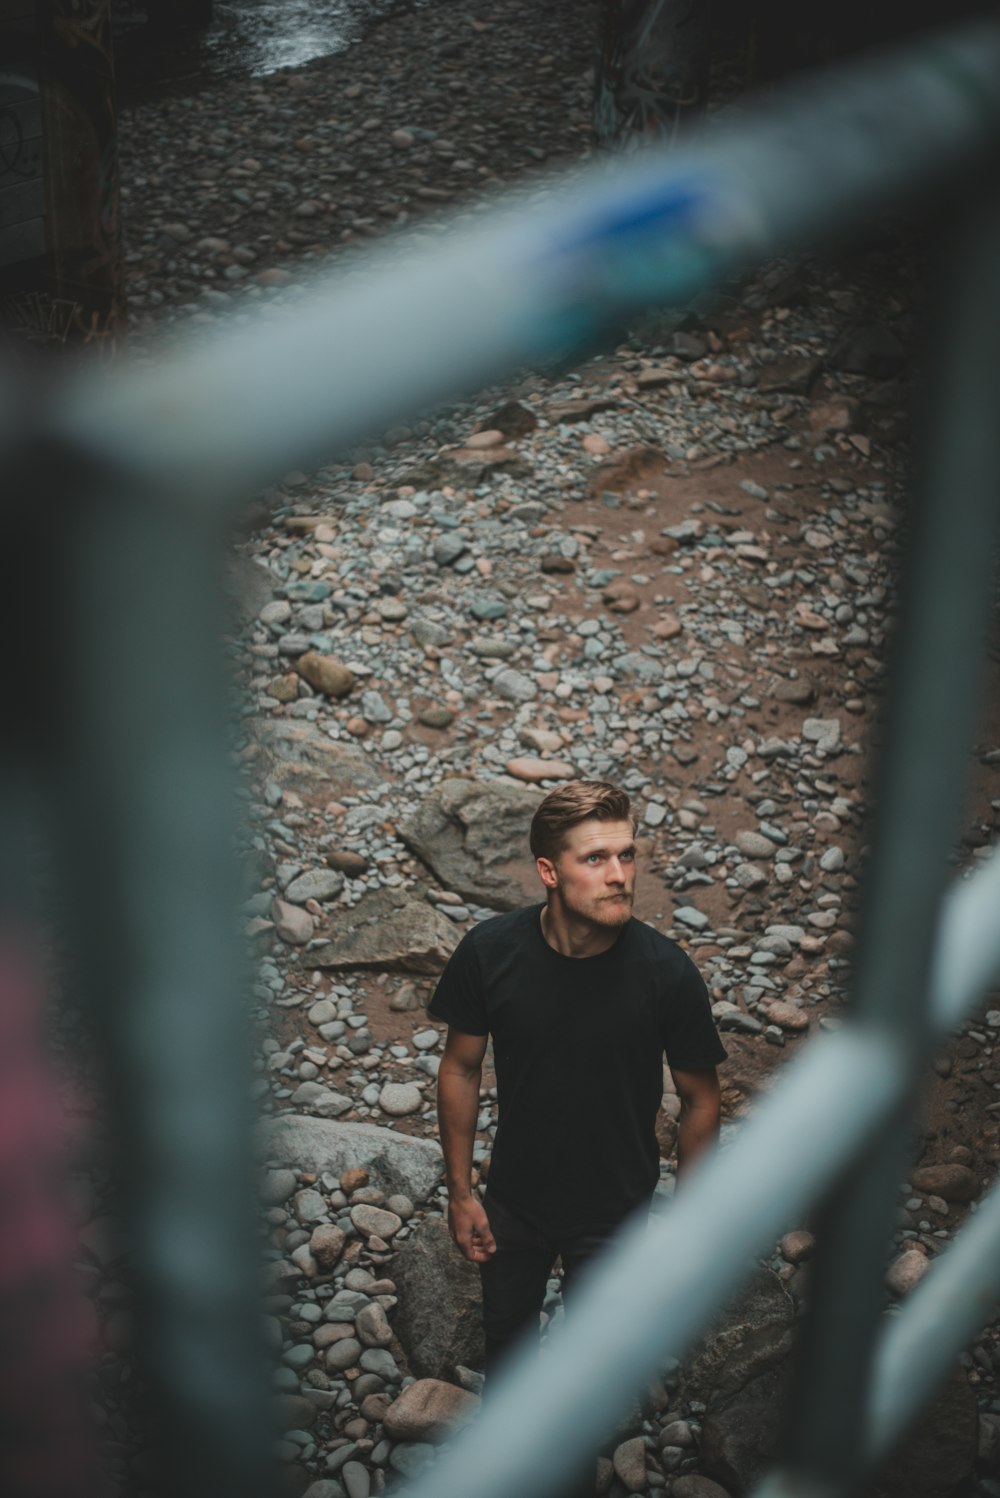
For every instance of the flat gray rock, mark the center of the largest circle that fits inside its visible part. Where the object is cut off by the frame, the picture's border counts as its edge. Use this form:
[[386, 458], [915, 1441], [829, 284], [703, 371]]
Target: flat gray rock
[[474, 836], [315, 884], [298, 755], [395, 1162], [687, 915], [389, 932]]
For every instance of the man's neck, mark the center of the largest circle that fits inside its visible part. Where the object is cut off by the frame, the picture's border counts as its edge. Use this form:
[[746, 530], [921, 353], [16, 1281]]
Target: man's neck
[[573, 936]]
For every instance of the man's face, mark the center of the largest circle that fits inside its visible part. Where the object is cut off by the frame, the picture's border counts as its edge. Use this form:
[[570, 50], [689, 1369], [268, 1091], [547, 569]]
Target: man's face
[[594, 875]]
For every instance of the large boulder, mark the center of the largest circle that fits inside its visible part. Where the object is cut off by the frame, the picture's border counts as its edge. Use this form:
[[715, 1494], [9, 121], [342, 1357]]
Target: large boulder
[[298, 756], [743, 1426], [474, 836], [755, 1332], [741, 1431], [437, 1319], [396, 1163], [390, 932]]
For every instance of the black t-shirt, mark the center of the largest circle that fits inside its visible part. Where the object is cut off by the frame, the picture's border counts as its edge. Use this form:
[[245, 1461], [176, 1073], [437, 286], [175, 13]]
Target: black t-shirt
[[578, 1045]]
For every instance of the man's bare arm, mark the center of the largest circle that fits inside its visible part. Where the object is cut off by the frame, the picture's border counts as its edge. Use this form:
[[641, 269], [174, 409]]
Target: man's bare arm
[[458, 1083], [698, 1127]]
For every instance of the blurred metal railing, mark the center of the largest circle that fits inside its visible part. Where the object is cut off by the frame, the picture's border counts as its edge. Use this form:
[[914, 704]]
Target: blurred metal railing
[[140, 470]]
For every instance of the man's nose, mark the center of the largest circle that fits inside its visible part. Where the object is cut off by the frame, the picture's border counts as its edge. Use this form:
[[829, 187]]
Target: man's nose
[[616, 871]]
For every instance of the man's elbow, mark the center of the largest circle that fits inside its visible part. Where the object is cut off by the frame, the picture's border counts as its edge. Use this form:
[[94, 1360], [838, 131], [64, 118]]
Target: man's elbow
[[459, 1074]]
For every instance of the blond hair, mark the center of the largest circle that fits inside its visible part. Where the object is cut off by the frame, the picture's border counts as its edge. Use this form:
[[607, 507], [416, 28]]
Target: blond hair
[[576, 801]]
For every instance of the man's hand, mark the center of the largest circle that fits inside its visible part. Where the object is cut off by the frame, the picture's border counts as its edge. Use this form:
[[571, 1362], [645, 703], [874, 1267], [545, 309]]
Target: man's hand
[[470, 1228]]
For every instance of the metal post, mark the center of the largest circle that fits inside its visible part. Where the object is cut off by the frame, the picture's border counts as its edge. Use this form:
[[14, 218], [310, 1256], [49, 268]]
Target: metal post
[[931, 713], [145, 810]]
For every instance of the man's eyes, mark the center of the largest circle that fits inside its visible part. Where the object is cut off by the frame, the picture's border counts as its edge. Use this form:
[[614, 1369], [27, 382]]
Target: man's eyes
[[628, 857]]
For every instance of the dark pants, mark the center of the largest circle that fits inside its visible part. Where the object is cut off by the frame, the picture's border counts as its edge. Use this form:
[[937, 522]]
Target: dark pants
[[513, 1284], [514, 1279]]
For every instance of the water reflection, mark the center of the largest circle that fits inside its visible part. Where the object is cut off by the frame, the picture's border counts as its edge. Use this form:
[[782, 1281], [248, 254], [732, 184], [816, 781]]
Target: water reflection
[[249, 39]]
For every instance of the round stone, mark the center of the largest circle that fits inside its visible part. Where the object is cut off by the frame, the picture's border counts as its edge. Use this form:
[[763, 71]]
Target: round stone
[[375, 1222], [952, 1182], [788, 1016], [347, 862], [309, 1206], [754, 844], [325, 673], [797, 1246], [343, 1354], [379, 1360], [906, 1271], [400, 1098], [515, 686], [326, 1246], [629, 1461]]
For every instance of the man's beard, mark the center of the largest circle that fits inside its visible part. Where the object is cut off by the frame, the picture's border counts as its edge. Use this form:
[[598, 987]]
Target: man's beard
[[612, 910]]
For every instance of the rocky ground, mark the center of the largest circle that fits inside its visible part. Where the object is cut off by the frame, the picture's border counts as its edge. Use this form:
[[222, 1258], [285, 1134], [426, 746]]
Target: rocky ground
[[673, 566]]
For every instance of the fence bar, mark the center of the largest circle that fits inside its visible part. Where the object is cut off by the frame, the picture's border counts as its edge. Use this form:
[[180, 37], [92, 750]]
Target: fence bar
[[967, 949], [932, 710], [550, 272], [941, 1316], [146, 816], [360, 351], [939, 1319]]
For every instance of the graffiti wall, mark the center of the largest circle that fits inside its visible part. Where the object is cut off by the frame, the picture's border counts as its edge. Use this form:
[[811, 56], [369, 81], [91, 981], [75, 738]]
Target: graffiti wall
[[60, 270]]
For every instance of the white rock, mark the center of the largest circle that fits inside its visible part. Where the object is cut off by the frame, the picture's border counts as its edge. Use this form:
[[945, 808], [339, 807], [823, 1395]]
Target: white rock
[[400, 1098], [906, 1271]]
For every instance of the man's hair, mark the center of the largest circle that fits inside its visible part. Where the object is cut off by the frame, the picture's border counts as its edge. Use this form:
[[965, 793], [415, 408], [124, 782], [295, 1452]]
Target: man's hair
[[574, 802]]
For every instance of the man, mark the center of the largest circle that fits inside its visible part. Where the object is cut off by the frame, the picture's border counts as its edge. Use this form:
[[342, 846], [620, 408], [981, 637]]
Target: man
[[582, 1001]]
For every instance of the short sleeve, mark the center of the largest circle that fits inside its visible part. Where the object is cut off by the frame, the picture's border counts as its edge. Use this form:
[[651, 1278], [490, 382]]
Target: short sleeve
[[459, 999], [690, 1039]]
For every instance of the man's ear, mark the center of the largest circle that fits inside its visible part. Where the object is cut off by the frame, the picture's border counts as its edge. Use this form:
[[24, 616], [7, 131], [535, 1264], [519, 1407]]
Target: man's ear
[[547, 872]]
